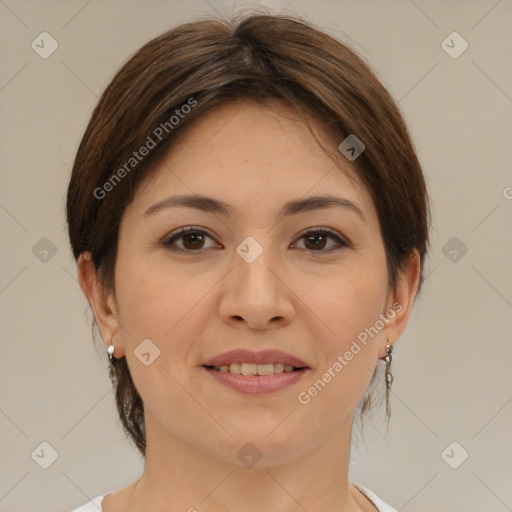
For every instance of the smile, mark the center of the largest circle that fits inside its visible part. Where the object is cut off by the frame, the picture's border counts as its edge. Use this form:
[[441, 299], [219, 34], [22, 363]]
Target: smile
[[255, 369]]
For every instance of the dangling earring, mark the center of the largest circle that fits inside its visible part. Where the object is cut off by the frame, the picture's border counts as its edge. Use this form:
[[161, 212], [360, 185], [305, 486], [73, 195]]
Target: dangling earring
[[110, 351], [389, 377]]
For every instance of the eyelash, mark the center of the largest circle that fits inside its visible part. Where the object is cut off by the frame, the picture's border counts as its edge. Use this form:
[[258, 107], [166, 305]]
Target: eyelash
[[172, 237]]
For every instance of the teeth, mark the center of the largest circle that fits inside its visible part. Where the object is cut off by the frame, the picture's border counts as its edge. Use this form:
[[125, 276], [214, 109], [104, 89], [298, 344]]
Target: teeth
[[255, 369], [248, 369]]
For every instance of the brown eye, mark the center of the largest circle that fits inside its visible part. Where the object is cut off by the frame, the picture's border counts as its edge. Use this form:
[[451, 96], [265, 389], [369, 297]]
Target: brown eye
[[316, 240], [192, 240]]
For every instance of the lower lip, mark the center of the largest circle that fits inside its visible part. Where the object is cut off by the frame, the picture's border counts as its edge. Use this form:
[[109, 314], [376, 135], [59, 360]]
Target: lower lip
[[257, 384]]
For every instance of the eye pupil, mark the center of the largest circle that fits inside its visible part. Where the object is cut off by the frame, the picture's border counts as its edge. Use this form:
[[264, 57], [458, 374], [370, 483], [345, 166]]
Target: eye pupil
[[195, 237], [317, 237]]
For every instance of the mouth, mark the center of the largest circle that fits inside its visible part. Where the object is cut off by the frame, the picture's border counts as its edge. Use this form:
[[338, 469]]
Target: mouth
[[252, 369], [250, 383], [256, 372]]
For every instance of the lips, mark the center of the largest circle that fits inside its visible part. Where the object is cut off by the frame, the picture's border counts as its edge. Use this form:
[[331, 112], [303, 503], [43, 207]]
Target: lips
[[262, 357]]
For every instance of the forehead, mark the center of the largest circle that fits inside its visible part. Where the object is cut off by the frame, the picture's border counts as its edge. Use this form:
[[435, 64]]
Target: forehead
[[251, 154]]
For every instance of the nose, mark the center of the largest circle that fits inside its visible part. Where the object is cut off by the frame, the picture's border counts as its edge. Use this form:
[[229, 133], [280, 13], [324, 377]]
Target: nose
[[256, 294]]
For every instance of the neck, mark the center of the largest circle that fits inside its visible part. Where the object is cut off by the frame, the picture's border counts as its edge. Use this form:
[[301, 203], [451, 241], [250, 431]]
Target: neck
[[179, 476]]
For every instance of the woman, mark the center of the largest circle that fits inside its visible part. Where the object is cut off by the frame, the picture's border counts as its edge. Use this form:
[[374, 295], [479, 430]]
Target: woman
[[250, 224]]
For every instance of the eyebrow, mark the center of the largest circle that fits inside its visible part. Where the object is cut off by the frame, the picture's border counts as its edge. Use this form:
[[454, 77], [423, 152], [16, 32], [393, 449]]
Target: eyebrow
[[294, 207]]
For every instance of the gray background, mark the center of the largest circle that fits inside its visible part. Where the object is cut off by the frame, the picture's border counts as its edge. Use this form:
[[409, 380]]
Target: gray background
[[452, 365]]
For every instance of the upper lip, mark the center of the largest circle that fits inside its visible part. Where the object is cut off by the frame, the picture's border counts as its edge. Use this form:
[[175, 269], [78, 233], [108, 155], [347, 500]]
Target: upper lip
[[262, 357]]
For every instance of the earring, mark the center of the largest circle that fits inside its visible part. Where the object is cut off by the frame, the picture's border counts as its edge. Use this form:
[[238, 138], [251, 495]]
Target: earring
[[110, 351], [389, 377]]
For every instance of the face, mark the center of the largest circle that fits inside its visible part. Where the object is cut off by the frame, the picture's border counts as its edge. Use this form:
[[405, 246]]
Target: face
[[309, 282]]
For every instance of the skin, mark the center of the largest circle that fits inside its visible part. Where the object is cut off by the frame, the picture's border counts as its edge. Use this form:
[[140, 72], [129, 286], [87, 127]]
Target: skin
[[310, 303]]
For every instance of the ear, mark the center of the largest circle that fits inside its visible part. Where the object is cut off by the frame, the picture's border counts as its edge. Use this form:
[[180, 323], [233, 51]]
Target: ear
[[102, 304], [401, 302]]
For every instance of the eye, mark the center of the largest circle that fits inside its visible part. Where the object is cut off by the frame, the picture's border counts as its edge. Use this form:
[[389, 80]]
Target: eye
[[193, 240], [316, 240]]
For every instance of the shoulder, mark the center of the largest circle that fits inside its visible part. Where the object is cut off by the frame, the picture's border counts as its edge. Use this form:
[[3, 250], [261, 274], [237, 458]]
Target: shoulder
[[91, 506], [381, 506]]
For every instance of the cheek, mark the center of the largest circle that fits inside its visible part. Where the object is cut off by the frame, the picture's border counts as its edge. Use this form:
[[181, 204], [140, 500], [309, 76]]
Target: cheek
[[150, 301], [354, 303], [351, 310], [158, 308], [166, 306]]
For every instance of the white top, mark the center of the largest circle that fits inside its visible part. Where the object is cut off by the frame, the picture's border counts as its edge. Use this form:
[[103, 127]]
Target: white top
[[95, 504]]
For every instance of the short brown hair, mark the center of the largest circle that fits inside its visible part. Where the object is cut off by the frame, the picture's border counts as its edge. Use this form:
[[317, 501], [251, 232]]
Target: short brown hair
[[214, 61]]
